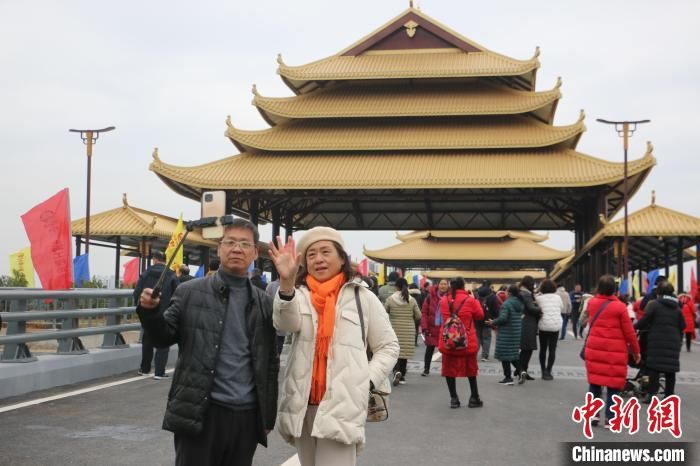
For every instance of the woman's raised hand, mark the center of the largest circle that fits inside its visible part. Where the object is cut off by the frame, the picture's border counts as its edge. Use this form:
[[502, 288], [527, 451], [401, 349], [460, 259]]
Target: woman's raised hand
[[286, 260]]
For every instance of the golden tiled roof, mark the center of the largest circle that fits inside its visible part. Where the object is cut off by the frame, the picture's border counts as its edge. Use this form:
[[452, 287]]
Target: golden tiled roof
[[503, 275], [409, 64], [472, 234], [467, 250], [419, 99], [477, 61], [132, 221], [440, 170], [653, 221], [408, 134]]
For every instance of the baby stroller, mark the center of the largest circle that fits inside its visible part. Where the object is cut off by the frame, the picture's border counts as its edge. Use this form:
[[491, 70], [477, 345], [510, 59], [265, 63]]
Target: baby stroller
[[638, 386]]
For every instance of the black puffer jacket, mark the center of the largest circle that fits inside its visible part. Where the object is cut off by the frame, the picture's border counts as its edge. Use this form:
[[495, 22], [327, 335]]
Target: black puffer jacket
[[195, 321], [531, 314], [665, 323]]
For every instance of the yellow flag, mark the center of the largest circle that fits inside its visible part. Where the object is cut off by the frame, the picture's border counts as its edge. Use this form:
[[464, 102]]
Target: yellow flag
[[380, 277], [672, 280], [174, 240], [635, 284], [21, 261]]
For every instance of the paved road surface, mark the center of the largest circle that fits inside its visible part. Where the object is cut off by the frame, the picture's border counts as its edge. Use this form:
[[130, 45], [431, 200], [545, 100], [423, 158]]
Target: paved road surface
[[120, 425]]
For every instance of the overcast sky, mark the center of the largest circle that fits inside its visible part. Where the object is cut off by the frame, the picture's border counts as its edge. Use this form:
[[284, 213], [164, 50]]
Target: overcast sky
[[166, 74]]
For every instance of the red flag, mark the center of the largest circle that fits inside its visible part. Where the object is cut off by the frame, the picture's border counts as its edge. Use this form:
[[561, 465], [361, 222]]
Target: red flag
[[693, 285], [364, 267], [48, 228], [131, 271]]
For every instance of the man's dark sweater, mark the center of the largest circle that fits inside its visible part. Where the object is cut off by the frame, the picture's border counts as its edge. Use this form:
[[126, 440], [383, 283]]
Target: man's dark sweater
[[234, 378]]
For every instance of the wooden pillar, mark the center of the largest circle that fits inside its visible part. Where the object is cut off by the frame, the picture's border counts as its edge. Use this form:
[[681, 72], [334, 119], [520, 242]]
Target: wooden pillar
[[288, 225], [697, 260], [276, 220], [679, 264], [667, 260], [77, 245], [204, 253], [117, 262]]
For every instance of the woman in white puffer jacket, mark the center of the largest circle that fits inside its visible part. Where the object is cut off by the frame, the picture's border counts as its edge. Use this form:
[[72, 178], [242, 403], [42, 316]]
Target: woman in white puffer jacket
[[328, 378], [549, 325]]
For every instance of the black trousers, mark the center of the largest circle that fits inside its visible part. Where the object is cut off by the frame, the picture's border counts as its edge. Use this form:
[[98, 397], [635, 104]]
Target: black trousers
[[548, 350], [506, 368], [525, 356], [670, 384], [452, 387], [428, 357], [229, 438], [147, 355], [688, 339], [401, 367]]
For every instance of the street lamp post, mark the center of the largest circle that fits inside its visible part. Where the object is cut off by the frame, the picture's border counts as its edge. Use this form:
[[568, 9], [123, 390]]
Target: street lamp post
[[625, 129], [89, 137]]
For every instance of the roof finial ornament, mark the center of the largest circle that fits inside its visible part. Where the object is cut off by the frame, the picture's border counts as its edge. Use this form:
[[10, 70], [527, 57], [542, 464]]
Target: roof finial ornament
[[155, 154], [603, 220], [559, 83], [228, 122], [537, 52], [279, 60], [255, 91], [653, 197], [153, 221], [650, 147], [124, 201], [582, 116], [410, 3]]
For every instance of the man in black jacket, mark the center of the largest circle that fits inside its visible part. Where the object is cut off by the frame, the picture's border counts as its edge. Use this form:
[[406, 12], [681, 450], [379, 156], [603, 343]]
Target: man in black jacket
[[148, 280], [223, 399]]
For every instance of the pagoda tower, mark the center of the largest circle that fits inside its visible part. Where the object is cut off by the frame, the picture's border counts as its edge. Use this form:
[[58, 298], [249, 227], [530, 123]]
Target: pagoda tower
[[413, 127]]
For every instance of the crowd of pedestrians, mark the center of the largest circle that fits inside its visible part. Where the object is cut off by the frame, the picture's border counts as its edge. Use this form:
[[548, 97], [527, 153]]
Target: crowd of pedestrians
[[349, 337]]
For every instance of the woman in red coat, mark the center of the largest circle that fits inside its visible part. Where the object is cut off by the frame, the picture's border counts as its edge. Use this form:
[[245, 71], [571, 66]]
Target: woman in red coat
[[688, 309], [610, 337], [461, 362], [431, 320]]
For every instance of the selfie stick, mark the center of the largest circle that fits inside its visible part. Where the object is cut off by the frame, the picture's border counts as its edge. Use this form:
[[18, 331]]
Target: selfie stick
[[189, 226]]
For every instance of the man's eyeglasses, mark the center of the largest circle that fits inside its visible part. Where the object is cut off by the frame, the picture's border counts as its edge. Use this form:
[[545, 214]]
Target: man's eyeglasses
[[232, 243]]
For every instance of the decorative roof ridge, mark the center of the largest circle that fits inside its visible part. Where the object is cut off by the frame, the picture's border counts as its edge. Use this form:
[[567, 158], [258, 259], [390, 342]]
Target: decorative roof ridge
[[533, 60]]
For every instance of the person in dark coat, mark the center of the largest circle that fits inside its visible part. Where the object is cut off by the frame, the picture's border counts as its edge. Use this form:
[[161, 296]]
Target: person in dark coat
[[148, 280], [532, 314], [431, 319], [223, 399], [184, 273], [509, 323], [489, 302], [461, 362], [665, 324]]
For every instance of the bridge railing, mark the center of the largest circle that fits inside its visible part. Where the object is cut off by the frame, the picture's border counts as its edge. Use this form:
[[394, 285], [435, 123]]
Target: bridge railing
[[71, 306]]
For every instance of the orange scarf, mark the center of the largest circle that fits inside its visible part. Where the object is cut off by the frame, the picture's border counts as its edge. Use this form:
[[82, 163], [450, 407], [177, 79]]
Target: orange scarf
[[324, 296]]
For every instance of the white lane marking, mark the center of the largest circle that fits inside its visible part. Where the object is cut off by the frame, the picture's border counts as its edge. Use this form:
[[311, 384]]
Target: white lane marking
[[293, 461], [75, 392], [437, 356]]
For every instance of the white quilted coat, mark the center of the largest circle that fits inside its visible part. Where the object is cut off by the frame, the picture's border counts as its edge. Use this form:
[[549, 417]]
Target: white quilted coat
[[343, 410], [551, 305]]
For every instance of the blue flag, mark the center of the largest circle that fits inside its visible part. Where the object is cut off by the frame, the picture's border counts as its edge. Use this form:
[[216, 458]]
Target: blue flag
[[624, 287], [651, 278], [200, 272], [81, 270]]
